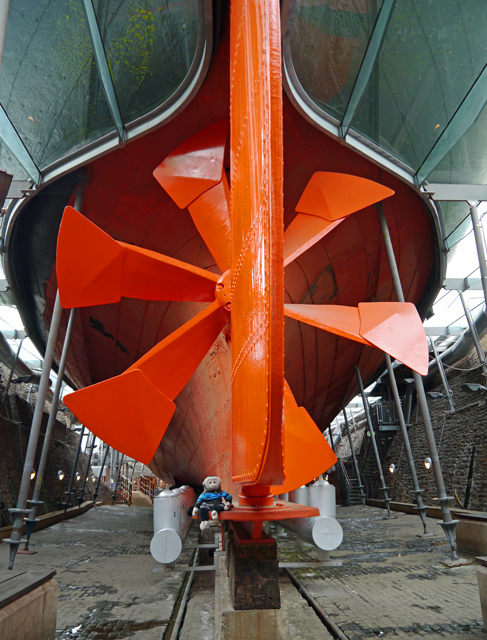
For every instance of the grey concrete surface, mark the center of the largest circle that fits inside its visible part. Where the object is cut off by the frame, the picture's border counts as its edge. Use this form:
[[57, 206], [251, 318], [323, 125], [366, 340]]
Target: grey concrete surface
[[391, 583], [104, 570]]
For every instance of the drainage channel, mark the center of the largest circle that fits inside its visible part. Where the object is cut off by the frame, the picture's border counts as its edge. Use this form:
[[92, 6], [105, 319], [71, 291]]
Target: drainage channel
[[322, 615], [176, 620]]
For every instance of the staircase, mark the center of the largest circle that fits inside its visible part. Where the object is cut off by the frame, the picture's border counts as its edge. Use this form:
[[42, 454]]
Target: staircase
[[348, 484], [385, 425], [354, 494]]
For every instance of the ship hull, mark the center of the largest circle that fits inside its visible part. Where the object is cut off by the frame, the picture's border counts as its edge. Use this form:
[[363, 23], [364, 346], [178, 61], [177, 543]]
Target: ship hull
[[347, 267]]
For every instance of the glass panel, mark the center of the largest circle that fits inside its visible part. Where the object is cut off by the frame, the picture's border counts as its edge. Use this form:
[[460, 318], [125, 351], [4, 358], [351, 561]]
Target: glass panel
[[462, 258], [454, 214], [10, 164], [463, 229], [328, 41], [150, 45], [431, 55], [49, 84], [467, 162]]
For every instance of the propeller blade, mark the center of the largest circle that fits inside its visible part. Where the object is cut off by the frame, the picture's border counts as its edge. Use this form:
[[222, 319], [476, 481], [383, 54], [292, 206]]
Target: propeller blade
[[340, 320], [289, 399], [148, 275], [393, 327], [195, 166], [211, 216], [307, 454], [327, 199], [171, 363], [396, 328], [303, 232], [127, 412], [88, 263], [131, 411], [336, 195], [93, 268]]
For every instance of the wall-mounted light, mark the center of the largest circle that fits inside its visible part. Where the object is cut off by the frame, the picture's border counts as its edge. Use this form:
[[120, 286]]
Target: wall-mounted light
[[473, 388], [93, 478], [427, 463], [78, 477], [60, 474], [32, 474], [392, 468]]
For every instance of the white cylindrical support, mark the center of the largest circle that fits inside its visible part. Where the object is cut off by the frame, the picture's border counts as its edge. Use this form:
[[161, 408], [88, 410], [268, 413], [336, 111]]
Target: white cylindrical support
[[323, 531], [299, 496], [171, 523], [322, 495]]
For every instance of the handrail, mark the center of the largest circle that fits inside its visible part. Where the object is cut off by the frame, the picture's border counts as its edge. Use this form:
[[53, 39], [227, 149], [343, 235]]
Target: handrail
[[344, 471], [125, 491]]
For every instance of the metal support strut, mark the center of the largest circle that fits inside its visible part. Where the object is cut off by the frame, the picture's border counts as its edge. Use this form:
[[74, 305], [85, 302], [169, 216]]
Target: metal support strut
[[448, 524], [118, 480], [444, 380], [30, 522], [12, 370], [73, 470], [97, 489], [87, 471], [474, 334], [21, 510], [355, 462], [383, 487], [479, 243], [420, 507]]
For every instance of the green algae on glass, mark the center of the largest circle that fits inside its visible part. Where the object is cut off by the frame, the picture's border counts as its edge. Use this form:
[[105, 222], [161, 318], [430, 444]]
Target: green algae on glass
[[49, 82], [150, 46]]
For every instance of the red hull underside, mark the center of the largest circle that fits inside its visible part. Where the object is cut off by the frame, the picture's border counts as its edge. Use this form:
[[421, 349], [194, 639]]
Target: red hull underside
[[347, 267]]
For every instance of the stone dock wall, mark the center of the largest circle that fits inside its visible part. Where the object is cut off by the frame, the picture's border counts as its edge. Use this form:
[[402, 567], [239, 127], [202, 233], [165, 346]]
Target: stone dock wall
[[461, 438], [15, 421]]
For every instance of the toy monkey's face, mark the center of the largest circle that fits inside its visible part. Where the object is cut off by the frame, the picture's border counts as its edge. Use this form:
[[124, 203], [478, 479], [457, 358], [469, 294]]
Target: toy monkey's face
[[212, 483]]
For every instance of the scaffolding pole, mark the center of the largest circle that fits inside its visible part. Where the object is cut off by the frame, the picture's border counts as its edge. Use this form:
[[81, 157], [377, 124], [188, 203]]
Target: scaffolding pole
[[383, 487], [448, 524], [35, 502], [21, 510], [420, 508], [355, 461]]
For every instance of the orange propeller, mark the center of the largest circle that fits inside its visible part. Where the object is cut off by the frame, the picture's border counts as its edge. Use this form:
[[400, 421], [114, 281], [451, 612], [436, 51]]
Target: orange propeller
[[245, 235], [115, 269]]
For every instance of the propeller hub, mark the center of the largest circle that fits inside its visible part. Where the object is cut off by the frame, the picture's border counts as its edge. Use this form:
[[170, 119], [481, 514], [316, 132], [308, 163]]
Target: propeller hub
[[223, 290]]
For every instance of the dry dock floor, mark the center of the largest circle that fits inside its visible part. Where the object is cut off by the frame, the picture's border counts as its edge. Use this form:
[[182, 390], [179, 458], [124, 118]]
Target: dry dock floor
[[391, 582]]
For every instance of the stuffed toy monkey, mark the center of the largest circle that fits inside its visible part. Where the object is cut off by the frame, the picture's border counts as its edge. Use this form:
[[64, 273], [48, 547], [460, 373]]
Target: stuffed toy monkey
[[213, 500]]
